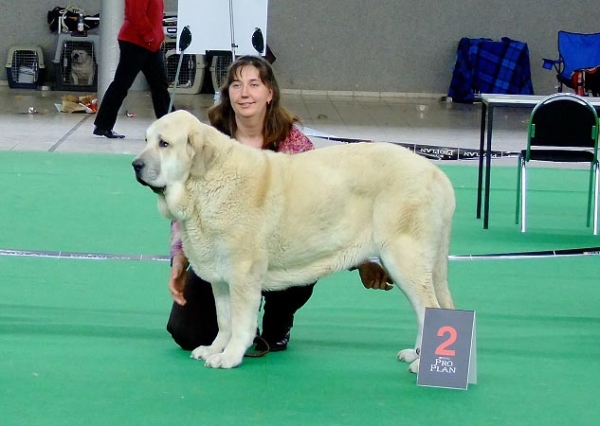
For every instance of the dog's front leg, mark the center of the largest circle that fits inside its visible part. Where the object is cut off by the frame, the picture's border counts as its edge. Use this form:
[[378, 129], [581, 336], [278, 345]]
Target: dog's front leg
[[245, 302], [222, 304], [245, 293]]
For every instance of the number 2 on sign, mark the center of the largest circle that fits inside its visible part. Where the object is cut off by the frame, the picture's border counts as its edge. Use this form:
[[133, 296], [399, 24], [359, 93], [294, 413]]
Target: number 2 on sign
[[442, 349]]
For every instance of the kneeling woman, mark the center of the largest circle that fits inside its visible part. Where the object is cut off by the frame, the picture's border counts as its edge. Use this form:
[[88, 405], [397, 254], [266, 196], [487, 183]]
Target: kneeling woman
[[250, 112]]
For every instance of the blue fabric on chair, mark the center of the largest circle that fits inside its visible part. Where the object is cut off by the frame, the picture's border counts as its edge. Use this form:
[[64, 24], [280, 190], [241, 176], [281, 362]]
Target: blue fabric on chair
[[576, 52], [487, 66]]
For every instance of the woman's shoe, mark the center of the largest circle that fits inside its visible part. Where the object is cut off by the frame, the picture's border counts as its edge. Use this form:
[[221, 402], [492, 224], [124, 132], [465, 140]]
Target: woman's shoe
[[264, 344], [107, 133]]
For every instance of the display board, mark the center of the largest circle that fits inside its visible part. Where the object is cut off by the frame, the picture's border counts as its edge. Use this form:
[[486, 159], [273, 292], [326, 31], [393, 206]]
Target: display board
[[223, 24]]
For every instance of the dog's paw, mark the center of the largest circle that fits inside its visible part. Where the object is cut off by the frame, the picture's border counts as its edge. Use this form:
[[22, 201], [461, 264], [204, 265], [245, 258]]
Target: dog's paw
[[203, 352], [222, 361], [414, 366], [408, 355]]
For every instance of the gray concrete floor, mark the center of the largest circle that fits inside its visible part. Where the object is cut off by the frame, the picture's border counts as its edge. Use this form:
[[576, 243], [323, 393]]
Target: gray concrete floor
[[392, 119]]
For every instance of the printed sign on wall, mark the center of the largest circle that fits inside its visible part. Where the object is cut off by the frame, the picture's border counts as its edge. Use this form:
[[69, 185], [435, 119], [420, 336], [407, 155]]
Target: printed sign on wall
[[215, 25]]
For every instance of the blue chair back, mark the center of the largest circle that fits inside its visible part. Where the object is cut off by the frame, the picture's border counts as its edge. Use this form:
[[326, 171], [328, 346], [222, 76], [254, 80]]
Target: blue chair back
[[578, 51]]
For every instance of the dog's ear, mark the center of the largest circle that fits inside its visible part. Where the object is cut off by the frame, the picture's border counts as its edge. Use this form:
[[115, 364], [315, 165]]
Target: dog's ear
[[200, 149]]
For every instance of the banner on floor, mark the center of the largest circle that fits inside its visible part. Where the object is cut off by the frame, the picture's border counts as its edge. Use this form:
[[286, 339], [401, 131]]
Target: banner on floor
[[433, 152], [588, 251]]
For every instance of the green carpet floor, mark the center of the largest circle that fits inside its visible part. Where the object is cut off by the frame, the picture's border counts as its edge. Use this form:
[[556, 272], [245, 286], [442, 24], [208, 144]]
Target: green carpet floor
[[82, 342]]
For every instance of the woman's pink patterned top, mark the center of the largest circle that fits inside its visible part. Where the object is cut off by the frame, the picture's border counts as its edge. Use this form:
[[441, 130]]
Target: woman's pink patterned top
[[295, 143]]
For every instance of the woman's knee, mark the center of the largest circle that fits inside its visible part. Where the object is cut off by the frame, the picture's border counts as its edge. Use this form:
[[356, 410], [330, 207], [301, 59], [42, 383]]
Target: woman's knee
[[195, 323]]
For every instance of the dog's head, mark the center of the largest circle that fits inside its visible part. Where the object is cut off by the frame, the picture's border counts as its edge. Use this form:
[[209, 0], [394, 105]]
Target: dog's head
[[80, 56], [177, 146]]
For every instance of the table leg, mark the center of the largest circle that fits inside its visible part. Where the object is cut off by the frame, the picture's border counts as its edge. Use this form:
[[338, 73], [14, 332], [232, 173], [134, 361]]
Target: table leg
[[480, 174], [488, 169]]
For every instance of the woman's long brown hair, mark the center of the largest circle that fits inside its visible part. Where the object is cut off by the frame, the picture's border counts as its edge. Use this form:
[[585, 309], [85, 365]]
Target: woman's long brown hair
[[278, 120]]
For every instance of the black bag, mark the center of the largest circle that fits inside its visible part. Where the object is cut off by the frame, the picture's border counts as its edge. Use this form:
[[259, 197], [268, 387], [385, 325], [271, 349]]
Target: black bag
[[70, 17]]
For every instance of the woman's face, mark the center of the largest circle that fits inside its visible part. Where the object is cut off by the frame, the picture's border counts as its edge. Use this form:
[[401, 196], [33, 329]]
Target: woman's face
[[248, 94]]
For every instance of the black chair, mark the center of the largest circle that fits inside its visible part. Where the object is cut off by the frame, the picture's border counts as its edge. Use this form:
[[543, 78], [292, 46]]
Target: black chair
[[562, 128]]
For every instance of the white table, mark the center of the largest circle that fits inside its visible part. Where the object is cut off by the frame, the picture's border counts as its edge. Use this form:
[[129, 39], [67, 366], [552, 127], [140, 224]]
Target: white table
[[488, 103]]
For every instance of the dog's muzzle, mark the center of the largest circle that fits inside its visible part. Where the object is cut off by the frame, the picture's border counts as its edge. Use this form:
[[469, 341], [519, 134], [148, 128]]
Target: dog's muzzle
[[138, 165]]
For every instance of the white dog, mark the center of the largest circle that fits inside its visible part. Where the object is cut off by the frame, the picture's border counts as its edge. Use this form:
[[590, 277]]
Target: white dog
[[254, 219], [83, 68]]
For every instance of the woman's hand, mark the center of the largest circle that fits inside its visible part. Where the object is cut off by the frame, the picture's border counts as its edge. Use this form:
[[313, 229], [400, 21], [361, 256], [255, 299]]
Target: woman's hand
[[374, 276], [177, 278]]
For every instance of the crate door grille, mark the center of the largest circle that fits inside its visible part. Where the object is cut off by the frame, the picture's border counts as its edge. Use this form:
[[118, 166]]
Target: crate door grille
[[68, 47], [187, 73], [219, 67], [25, 66]]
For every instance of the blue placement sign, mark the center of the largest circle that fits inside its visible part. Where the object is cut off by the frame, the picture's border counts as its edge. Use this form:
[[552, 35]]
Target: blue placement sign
[[448, 349]]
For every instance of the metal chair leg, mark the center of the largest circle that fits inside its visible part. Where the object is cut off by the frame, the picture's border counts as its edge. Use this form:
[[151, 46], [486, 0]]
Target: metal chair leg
[[518, 201], [596, 194], [523, 196], [590, 193]]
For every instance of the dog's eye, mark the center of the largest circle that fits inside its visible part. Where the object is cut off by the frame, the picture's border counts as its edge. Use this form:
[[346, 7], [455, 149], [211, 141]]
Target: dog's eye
[[163, 144]]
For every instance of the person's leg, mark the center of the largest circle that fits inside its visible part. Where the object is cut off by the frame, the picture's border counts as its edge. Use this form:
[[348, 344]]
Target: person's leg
[[156, 75], [278, 315], [195, 323], [131, 56]]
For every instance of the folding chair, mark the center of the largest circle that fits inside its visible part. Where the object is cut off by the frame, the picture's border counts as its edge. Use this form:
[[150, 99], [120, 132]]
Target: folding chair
[[577, 52], [562, 128]]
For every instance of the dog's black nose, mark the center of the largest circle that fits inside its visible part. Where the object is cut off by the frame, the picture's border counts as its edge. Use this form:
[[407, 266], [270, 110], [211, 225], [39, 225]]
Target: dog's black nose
[[138, 165]]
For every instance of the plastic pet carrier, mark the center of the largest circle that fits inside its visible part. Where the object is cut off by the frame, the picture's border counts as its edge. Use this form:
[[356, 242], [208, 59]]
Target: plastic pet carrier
[[25, 67], [75, 63], [191, 74], [218, 69]]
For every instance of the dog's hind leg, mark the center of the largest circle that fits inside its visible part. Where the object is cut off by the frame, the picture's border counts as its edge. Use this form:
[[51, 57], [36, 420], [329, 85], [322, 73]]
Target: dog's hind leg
[[440, 272], [411, 266]]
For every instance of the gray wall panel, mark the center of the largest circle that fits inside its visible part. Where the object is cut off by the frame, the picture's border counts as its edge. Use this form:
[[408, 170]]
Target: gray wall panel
[[375, 46]]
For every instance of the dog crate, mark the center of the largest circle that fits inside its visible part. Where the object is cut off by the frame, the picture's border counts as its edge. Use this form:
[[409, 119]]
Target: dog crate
[[191, 74], [25, 67], [218, 69], [68, 47]]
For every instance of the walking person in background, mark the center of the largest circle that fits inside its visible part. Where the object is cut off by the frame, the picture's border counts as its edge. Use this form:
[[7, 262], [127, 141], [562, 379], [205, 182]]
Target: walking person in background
[[140, 39]]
